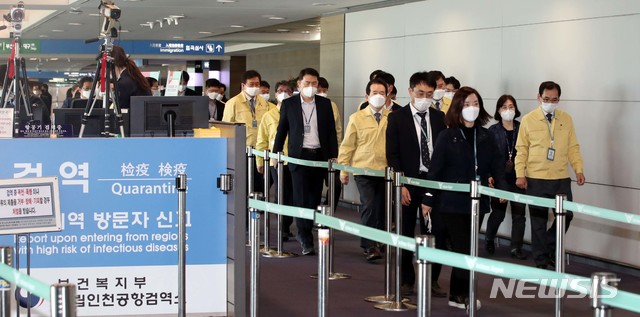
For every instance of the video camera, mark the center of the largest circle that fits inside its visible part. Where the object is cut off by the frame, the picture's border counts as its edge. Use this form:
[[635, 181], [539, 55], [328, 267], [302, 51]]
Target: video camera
[[111, 13], [16, 16]]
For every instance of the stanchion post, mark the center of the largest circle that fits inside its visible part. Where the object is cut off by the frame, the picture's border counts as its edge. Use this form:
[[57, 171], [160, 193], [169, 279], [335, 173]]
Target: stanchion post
[[181, 186], [602, 281], [6, 257], [254, 236], [63, 300], [324, 237], [278, 253], [397, 304], [560, 255], [424, 276], [388, 207], [251, 163], [266, 249], [475, 226], [331, 201]]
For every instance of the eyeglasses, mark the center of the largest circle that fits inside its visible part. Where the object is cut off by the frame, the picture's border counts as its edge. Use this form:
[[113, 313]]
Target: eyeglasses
[[547, 100]]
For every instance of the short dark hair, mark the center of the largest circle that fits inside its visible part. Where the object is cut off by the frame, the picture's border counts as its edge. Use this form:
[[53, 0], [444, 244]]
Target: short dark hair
[[452, 81], [377, 81], [248, 75], [549, 85], [501, 102], [421, 77], [185, 77], [308, 71], [437, 74], [284, 83], [375, 73], [223, 86], [394, 91], [322, 82], [387, 78], [84, 80], [453, 118], [151, 81], [264, 83], [45, 87], [211, 82]]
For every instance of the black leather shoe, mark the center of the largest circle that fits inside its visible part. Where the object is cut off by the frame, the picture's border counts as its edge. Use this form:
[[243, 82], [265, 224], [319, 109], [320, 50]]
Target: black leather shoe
[[490, 246], [372, 255], [518, 254], [541, 266], [436, 291], [406, 289]]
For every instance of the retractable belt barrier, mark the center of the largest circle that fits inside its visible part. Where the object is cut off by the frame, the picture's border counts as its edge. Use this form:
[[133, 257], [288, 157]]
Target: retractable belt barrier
[[578, 284]]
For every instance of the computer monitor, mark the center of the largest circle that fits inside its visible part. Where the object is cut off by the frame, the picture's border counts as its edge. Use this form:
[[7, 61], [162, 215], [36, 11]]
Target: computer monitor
[[95, 122], [149, 115]]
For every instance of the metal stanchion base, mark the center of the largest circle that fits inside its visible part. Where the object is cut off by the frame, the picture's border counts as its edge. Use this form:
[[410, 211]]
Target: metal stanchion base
[[333, 276], [248, 244], [264, 251], [384, 299], [279, 255], [395, 306]]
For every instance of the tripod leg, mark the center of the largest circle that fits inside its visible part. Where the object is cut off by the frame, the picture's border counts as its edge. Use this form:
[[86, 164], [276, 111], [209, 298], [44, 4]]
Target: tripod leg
[[5, 87], [116, 103], [89, 107], [105, 100], [25, 89]]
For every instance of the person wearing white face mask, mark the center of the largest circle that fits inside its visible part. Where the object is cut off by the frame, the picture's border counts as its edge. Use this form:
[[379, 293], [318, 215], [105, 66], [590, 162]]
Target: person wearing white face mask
[[411, 134], [504, 133], [542, 166], [266, 137], [464, 152], [211, 90], [364, 146], [388, 78], [306, 122], [438, 94], [265, 92], [451, 86], [183, 90], [248, 109]]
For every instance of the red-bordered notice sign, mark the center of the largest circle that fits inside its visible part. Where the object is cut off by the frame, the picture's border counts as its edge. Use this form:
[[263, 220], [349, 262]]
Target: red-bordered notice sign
[[29, 205]]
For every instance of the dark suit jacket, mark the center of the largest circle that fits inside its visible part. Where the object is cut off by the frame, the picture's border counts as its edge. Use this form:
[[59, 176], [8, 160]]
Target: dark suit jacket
[[190, 92], [292, 125], [403, 150], [219, 111], [394, 106], [127, 88]]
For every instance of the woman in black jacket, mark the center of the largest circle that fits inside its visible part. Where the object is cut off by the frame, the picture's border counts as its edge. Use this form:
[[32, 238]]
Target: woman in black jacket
[[463, 152], [505, 133], [130, 80]]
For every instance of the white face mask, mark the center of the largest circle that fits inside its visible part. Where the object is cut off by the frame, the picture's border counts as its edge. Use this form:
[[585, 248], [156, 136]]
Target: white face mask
[[156, 92], [549, 107], [422, 104], [310, 91], [213, 95], [282, 96], [449, 95], [470, 114], [252, 91], [508, 115], [219, 97], [265, 96], [182, 87], [377, 101], [438, 94], [322, 94], [85, 93], [36, 92]]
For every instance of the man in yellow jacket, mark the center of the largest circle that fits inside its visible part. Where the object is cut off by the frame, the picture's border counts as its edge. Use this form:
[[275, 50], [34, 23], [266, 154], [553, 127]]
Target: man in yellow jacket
[[545, 146], [266, 135], [248, 107], [364, 146]]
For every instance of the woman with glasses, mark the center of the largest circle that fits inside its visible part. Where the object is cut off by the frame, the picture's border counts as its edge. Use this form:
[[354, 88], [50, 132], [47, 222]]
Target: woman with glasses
[[463, 152], [505, 133]]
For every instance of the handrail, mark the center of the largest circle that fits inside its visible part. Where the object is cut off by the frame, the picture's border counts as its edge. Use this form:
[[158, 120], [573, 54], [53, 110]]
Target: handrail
[[25, 281]]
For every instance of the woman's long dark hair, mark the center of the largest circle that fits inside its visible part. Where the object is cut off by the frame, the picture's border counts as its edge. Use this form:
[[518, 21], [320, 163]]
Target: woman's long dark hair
[[121, 60]]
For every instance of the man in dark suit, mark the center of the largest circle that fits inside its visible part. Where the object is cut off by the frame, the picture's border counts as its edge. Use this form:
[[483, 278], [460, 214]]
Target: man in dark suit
[[307, 121], [184, 81], [411, 134], [216, 107]]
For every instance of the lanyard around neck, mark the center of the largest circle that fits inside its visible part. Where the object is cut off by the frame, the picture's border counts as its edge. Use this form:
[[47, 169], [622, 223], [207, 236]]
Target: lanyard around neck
[[475, 150]]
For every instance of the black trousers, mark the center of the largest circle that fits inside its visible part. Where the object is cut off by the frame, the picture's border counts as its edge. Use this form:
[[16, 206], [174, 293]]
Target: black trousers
[[518, 219], [410, 214], [543, 240], [287, 194], [307, 192], [337, 190], [459, 228], [372, 214]]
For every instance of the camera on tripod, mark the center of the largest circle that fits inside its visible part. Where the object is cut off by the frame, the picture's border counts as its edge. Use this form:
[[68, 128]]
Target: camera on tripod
[[16, 16], [111, 13]]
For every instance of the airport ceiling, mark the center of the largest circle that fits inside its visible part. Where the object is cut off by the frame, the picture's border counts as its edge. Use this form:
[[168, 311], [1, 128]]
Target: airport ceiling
[[244, 25]]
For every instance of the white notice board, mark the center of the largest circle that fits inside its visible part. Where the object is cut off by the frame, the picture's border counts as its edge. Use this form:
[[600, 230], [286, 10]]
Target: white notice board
[[29, 205]]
